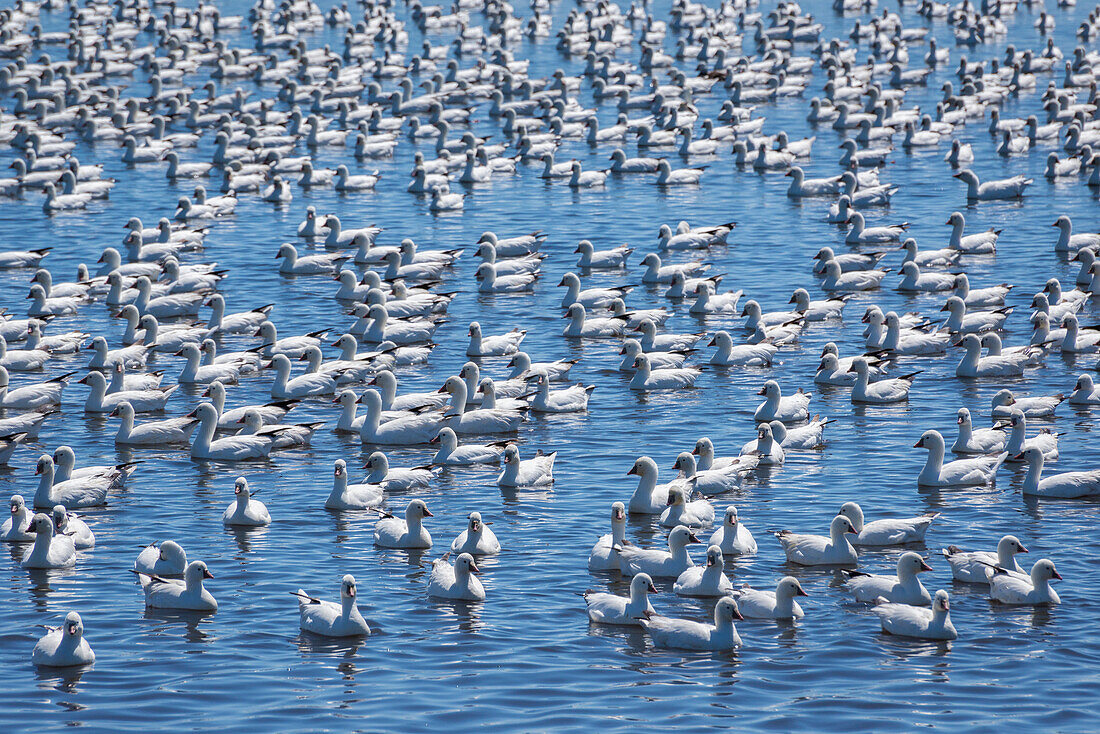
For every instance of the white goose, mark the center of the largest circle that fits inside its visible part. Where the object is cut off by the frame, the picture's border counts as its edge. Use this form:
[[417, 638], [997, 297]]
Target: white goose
[[960, 473], [329, 619], [924, 624], [708, 580], [188, 594], [1010, 588], [395, 532], [64, 646], [904, 588], [245, 511], [894, 531], [477, 539], [658, 563], [538, 471], [975, 567], [819, 550], [765, 604], [685, 634], [627, 611], [229, 448], [50, 550], [1067, 485]]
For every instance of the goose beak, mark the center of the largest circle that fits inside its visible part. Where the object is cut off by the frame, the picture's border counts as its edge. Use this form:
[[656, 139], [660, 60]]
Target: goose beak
[[800, 592], [1055, 574], [761, 391], [206, 574], [924, 566], [428, 513], [918, 444]]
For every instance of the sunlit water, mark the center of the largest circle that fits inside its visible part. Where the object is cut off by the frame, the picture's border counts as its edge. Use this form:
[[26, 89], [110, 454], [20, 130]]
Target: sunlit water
[[527, 658]]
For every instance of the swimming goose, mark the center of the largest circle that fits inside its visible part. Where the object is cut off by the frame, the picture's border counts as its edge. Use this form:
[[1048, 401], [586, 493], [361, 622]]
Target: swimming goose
[[33, 396], [657, 563], [653, 342], [859, 280], [556, 371], [490, 281], [400, 431], [923, 624], [860, 234], [804, 187], [142, 401], [345, 496], [195, 373], [1069, 242], [766, 604], [245, 511], [189, 594], [329, 619], [605, 608], [44, 306], [450, 453], [292, 264], [64, 646], [705, 581], [1008, 188], [132, 356], [67, 523], [1046, 441], [818, 550], [679, 511], [523, 265], [975, 567], [270, 413], [1039, 406], [1085, 392], [685, 634], [493, 346], [229, 448], [153, 433], [50, 549], [981, 441], [395, 532], [1009, 588], [707, 301], [960, 473], [904, 588], [789, 409], [309, 384], [580, 326], [962, 321], [168, 306], [658, 272], [730, 354], [537, 471], [380, 473], [455, 582], [914, 281], [22, 360], [568, 400], [975, 365], [603, 556], [829, 308], [283, 436], [993, 295], [591, 297], [477, 539], [483, 420], [1067, 485], [603, 259], [671, 378], [980, 243], [15, 528], [883, 391], [942, 258], [244, 322]]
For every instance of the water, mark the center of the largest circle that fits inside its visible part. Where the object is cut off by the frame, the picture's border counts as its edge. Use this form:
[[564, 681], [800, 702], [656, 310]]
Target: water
[[527, 658]]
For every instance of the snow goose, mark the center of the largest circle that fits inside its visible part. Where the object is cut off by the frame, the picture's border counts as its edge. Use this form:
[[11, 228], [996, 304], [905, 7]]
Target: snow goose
[[195, 373], [556, 371], [881, 392], [188, 594], [960, 321], [22, 360], [67, 523], [50, 550], [1005, 365], [524, 265], [1008, 188], [538, 471], [829, 308], [923, 624], [651, 341], [1085, 392], [568, 400], [580, 326], [310, 384], [456, 582], [1040, 406], [803, 187], [283, 436], [1046, 441], [859, 280], [980, 243], [904, 588], [483, 420], [729, 354], [981, 441], [860, 234], [649, 498], [13, 259], [790, 409], [603, 259], [605, 608], [271, 413], [765, 604], [292, 264], [245, 322], [142, 401], [646, 378], [515, 246], [401, 431], [1076, 342], [133, 356], [14, 528], [153, 433], [329, 619], [64, 646], [41, 305], [696, 513], [733, 537], [679, 177], [490, 281], [705, 581], [819, 550], [603, 556], [993, 295], [493, 346], [765, 447], [395, 532], [245, 511], [34, 396], [477, 539], [632, 348], [591, 297], [620, 163], [658, 272], [975, 567], [942, 258], [657, 563], [914, 281], [1072, 243], [960, 473], [386, 382], [229, 448], [1009, 588], [1067, 485], [345, 496], [708, 302], [683, 634], [450, 453], [380, 473], [172, 305], [56, 202]]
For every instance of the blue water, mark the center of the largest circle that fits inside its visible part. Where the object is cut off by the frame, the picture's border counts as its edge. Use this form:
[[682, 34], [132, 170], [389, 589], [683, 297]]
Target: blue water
[[527, 658]]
